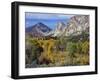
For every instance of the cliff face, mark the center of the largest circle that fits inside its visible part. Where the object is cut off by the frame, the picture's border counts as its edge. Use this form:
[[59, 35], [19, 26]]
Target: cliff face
[[60, 28], [77, 25]]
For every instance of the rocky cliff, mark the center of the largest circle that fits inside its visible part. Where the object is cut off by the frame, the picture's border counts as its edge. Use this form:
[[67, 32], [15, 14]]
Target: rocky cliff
[[77, 25]]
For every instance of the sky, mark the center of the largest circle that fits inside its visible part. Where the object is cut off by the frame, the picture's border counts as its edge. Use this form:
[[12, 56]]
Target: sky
[[48, 19]]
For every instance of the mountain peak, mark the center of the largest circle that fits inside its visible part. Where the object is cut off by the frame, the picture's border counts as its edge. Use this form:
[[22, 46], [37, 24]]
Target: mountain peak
[[40, 23], [38, 30], [60, 26]]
